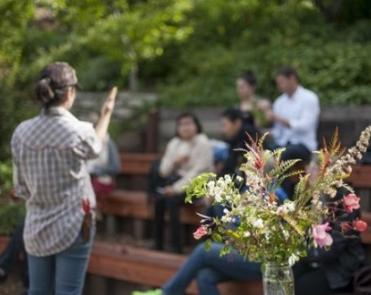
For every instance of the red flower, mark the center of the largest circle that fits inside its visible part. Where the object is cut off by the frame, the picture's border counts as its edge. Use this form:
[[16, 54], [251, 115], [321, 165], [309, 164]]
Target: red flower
[[86, 206], [360, 225], [200, 232], [259, 163], [351, 202]]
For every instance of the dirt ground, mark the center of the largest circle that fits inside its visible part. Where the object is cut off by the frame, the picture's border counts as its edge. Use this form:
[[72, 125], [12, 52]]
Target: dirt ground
[[12, 286]]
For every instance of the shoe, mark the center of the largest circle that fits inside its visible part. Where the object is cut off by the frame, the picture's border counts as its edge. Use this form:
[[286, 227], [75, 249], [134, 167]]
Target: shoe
[[151, 292], [3, 275]]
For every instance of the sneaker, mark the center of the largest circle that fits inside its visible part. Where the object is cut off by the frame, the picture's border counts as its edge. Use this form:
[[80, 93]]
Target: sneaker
[[151, 292]]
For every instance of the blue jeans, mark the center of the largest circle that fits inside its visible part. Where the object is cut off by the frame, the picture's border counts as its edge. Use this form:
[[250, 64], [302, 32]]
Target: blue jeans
[[209, 269], [62, 273]]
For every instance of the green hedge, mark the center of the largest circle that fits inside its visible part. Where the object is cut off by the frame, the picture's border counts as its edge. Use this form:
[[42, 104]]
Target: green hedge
[[338, 72]]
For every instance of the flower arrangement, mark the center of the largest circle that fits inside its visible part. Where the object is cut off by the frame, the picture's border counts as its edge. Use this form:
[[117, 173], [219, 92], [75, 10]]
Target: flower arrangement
[[264, 228]]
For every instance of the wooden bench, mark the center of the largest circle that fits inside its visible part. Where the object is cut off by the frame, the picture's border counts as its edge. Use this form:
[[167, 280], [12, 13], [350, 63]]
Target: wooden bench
[[3, 242], [137, 164], [151, 268], [134, 204]]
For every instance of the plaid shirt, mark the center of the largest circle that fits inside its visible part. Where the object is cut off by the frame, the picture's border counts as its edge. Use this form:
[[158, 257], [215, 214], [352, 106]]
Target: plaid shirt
[[50, 153]]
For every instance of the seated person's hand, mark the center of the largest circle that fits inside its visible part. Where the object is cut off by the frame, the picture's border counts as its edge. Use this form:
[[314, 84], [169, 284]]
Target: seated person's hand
[[181, 161], [269, 115], [264, 105], [169, 191]]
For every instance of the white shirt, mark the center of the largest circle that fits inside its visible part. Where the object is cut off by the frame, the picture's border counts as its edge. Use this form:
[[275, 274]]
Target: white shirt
[[200, 153], [302, 110]]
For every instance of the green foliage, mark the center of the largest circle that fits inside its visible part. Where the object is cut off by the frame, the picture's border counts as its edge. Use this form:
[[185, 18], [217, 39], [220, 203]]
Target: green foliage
[[331, 60], [5, 178], [10, 213], [10, 216], [190, 51], [197, 188]]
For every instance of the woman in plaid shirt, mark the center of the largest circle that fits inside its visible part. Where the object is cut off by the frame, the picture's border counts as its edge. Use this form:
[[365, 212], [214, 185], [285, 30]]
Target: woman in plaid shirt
[[50, 153]]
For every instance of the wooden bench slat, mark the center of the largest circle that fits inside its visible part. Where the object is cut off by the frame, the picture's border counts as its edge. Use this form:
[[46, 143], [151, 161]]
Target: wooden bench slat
[[140, 266], [152, 268], [134, 204], [137, 164], [361, 176]]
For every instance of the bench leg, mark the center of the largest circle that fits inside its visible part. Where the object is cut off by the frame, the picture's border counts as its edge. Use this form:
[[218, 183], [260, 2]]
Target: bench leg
[[111, 225], [95, 285], [139, 229]]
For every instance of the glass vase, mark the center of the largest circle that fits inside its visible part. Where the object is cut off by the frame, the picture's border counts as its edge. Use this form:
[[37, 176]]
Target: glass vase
[[278, 279]]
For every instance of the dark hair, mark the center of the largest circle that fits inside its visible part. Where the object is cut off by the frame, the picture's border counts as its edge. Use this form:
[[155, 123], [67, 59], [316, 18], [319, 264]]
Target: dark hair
[[233, 115], [249, 77], [192, 116], [53, 83], [297, 152], [288, 72]]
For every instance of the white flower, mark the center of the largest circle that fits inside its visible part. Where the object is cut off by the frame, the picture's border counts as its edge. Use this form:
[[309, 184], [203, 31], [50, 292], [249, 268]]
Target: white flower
[[287, 207], [226, 219], [211, 188], [218, 197], [247, 234], [290, 206], [239, 178], [226, 211], [292, 259], [228, 179], [258, 223], [286, 234]]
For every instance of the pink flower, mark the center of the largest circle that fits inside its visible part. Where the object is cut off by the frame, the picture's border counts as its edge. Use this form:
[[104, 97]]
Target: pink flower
[[351, 202], [200, 232], [360, 225], [321, 236]]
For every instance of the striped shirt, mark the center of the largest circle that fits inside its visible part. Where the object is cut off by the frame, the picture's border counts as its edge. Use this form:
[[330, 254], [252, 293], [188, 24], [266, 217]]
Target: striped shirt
[[50, 153]]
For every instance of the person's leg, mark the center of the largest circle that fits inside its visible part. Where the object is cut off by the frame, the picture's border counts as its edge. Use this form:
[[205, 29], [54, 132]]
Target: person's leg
[[207, 281], [159, 221], [232, 267], [71, 266], [174, 205], [306, 280], [14, 246], [41, 275]]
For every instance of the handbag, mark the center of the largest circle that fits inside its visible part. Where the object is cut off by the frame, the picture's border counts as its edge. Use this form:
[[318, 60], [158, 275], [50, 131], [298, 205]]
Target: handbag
[[362, 281]]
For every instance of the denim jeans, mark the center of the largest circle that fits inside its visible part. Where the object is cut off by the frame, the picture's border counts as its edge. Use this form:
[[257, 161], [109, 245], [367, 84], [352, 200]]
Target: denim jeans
[[62, 273], [209, 269]]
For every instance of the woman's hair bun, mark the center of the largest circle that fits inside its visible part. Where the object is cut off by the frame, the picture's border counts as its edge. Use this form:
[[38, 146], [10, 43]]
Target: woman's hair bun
[[44, 91]]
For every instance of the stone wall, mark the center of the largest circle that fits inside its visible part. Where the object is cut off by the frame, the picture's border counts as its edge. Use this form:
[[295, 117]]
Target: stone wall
[[350, 120]]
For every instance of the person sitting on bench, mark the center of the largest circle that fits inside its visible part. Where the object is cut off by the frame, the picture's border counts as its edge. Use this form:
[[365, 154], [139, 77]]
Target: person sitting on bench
[[187, 155]]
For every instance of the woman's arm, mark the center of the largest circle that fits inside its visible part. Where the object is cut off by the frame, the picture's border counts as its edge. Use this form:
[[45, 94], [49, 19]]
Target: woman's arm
[[167, 164], [105, 115], [202, 160]]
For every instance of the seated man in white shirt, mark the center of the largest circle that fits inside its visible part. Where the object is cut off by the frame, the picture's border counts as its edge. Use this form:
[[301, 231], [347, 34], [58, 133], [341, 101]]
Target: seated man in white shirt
[[295, 113]]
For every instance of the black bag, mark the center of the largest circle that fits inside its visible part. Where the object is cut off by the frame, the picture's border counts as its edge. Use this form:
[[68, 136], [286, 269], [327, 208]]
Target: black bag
[[362, 281]]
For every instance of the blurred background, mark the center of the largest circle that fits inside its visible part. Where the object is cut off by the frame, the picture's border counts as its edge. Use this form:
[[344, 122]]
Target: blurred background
[[183, 52], [170, 55]]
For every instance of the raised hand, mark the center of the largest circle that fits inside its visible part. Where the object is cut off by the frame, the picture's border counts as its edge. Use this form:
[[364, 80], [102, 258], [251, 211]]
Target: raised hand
[[109, 104]]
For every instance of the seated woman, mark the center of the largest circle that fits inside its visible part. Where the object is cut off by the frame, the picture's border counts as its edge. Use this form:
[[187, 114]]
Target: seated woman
[[330, 272], [188, 154]]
